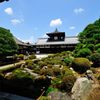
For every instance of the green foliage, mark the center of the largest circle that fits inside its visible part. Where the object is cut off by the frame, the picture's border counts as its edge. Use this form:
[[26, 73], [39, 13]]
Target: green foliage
[[89, 32], [44, 98], [47, 71], [66, 71], [97, 46], [84, 52], [56, 71], [56, 82], [80, 65], [95, 58], [20, 57], [68, 61], [42, 63], [67, 83], [51, 89], [19, 73], [32, 56], [56, 59], [98, 50], [7, 44], [90, 46], [89, 37], [29, 63], [59, 83]]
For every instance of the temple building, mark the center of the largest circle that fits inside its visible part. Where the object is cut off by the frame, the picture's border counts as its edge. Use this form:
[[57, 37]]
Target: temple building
[[23, 47], [56, 42]]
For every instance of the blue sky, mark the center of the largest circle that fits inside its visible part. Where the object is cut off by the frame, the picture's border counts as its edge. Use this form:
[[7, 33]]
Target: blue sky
[[29, 20]]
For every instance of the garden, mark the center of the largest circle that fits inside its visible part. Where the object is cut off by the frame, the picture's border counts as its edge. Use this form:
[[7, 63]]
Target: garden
[[37, 78]]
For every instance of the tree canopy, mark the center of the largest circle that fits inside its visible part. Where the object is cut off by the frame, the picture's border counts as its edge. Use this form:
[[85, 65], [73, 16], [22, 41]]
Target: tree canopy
[[8, 45], [89, 38]]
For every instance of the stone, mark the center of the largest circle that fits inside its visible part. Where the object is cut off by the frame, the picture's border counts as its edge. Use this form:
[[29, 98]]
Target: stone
[[81, 89], [59, 96]]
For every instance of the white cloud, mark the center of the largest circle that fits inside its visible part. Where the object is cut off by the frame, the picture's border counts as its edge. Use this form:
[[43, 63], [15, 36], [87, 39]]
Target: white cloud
[[9, 11], [78, 10], [72, 27], [16, 21], [55, 22]]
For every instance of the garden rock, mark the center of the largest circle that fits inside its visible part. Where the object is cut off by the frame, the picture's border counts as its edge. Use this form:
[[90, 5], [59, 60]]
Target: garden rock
[[59, 96], [81, 89]]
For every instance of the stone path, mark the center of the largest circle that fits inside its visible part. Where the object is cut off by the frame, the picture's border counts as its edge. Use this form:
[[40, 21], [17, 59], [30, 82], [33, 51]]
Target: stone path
[[39, 56]]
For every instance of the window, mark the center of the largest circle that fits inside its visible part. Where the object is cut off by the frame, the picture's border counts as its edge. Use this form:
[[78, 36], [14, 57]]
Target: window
[[55, 38], [61, 37]]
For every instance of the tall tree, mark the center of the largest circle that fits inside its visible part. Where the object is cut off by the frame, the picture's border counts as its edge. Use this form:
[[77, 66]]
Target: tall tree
[[8, 45], [89, 38]]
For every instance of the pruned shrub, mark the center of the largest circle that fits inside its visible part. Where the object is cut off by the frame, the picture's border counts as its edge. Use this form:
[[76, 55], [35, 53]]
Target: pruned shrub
[[28, 61], [42, 63], [29, 64], [95, 58], [56, 71], [19, 73], [66, 71], [80, 65], [68, 61], [32, 56], [47, 71], [67, 83], [20, 57]]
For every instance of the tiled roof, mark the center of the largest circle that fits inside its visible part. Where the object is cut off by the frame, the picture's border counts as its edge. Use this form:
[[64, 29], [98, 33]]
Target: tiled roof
[[19, 42], [68, 40]]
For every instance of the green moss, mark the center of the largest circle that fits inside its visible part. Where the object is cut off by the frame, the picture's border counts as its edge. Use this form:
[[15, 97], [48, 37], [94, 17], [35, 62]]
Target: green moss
[[81, 65], [19, 73]]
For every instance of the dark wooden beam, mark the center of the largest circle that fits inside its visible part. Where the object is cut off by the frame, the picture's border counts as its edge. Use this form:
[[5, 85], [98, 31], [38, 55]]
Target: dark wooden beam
[[3, 1]]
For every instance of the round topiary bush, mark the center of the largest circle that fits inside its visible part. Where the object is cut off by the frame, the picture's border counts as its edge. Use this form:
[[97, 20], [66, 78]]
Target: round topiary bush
[[80, 65]]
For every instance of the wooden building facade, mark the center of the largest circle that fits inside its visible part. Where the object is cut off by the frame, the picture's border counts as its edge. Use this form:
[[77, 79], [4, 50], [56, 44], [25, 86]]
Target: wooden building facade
[[23, 47], [56, 42]]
